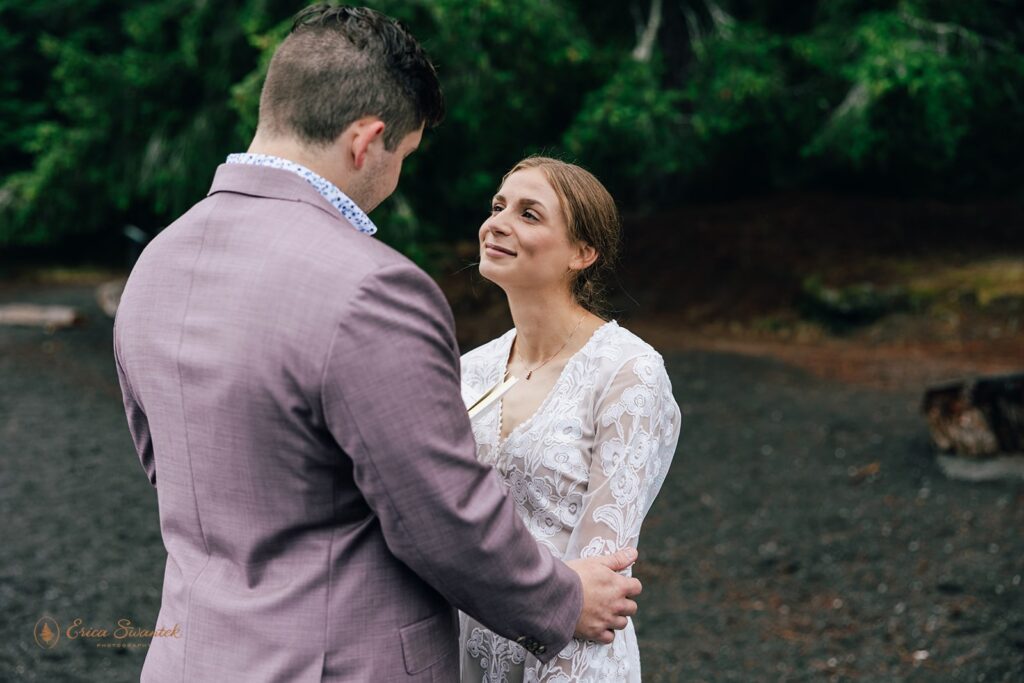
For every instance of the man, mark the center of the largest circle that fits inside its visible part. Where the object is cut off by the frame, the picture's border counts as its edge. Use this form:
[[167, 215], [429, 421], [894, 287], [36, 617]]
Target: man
[[292, 389]]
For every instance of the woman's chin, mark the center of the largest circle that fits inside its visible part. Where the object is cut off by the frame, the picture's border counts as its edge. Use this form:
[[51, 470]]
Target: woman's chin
[[491, 271]]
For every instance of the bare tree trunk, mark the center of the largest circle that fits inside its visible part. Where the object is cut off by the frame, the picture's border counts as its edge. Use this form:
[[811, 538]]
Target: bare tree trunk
[[645, 46]]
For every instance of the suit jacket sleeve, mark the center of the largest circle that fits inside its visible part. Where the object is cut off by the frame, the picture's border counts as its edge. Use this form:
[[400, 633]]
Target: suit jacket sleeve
[[138, 425], [391, 398]]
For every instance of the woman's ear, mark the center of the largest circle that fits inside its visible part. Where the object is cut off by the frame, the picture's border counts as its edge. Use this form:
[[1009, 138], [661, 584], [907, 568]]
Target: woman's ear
[[584, 257]]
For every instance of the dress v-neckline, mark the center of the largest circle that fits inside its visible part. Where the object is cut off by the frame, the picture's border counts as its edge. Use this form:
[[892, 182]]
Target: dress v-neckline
[[502, 442]]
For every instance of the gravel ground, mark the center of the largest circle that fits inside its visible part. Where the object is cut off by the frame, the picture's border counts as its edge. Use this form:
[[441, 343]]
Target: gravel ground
[[804, 533]]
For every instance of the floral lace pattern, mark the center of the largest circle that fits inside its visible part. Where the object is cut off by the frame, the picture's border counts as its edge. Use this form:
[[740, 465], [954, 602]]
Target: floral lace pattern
[[583, 471]]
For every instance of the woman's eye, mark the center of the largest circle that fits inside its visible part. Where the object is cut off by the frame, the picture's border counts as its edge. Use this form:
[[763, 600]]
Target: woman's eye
[[495, 208], [531, 215]]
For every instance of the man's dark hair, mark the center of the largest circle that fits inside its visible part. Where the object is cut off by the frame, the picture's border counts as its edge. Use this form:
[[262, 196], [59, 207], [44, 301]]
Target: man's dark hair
[[340, 64]]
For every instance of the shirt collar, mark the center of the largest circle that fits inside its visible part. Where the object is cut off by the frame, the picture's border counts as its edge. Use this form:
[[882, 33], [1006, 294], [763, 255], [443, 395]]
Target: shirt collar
[[328, 190]]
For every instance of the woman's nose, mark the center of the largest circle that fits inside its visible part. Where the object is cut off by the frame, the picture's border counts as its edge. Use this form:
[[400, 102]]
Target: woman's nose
[[496, 225]]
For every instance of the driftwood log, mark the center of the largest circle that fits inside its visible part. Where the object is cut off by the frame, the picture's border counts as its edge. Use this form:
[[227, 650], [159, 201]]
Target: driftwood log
[[979, 418], [49, 317]]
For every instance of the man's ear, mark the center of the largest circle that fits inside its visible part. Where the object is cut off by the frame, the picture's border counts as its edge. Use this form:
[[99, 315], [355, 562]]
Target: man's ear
[[365, 131], [585, 256]]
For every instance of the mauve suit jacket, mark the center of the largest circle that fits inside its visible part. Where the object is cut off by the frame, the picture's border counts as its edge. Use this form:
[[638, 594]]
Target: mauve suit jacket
[[292, 389]]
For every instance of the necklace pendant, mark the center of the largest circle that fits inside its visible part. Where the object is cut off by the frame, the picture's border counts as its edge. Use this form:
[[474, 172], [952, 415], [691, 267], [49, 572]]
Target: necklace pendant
[[528, 374]]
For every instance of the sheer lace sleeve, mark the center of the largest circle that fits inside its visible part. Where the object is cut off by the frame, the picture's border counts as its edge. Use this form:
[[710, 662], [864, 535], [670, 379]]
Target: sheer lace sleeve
[[637, 429], [636, 434]]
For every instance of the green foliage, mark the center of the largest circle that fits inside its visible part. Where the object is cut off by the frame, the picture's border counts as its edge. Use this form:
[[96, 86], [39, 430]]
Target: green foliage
[[632, 130], [909, 95], [135, 114], [514, 75], [727, 101], [119, 111], [745, 115]]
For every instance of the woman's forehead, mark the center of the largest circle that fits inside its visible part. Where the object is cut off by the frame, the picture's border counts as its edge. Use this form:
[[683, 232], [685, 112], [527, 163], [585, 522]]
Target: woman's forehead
[[531, 183]]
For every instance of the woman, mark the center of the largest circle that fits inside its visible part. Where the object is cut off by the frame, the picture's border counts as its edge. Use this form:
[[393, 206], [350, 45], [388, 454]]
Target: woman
[[584, 438]]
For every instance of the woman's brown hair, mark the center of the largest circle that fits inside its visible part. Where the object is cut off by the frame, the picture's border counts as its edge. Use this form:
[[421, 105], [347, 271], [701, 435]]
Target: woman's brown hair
[[591, 217]]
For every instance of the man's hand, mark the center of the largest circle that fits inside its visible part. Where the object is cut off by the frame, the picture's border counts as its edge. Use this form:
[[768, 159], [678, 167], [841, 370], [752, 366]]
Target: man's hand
[[606, 594]]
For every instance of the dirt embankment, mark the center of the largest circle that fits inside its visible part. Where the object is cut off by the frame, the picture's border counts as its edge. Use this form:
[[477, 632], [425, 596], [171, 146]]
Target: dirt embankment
[[735, 278]]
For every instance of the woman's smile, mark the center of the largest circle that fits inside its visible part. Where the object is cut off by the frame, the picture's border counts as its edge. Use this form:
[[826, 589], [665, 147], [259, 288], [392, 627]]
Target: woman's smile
[[495, 251]]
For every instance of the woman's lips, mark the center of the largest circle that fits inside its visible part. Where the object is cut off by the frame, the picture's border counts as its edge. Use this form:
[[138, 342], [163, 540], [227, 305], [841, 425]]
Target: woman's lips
[[495, 249]]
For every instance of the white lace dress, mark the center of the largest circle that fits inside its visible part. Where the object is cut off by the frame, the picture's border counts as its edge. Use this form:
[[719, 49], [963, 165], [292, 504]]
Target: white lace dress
[[583, 471]]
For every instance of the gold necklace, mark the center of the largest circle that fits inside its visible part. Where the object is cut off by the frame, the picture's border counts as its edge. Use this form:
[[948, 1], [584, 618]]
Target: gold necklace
[[530, 372]]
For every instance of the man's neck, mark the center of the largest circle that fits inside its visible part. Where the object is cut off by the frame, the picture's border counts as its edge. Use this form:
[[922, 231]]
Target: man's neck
[[316, 160]]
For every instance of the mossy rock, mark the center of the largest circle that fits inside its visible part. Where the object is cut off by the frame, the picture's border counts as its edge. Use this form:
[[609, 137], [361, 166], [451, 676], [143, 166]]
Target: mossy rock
[[843, 308]]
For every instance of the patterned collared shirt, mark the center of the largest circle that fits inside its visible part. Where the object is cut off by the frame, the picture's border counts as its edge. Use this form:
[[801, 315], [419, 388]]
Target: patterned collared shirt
[[328, 190]]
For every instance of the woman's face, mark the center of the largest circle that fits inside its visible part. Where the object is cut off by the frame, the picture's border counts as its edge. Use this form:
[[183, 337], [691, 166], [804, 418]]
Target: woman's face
[[524, 243]]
